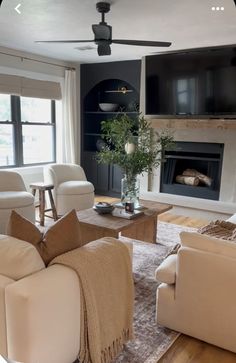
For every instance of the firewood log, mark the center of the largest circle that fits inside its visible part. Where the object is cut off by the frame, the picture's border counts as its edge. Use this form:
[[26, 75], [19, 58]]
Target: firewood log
[[202, 177], [188, 180]]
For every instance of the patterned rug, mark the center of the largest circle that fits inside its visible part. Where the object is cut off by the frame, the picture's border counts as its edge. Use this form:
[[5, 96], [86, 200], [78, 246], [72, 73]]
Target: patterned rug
[[151, 340]]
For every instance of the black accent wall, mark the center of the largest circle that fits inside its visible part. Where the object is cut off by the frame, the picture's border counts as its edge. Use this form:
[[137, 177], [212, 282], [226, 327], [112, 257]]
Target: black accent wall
[[92, 74], [94, 77]]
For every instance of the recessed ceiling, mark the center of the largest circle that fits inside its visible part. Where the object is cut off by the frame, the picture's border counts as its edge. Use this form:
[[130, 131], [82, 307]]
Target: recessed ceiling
[[186, 23]]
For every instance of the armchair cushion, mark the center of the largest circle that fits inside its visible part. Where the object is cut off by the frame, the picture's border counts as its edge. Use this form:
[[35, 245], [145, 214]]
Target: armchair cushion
[[166, 272], [15, 199], [61, 237], [75, 187], [18, 258], [208, 244]]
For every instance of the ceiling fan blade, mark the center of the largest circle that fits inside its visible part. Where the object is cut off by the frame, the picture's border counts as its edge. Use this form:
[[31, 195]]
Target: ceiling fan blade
[[104, 49], [102, 31], [64, 41], [144, 43]]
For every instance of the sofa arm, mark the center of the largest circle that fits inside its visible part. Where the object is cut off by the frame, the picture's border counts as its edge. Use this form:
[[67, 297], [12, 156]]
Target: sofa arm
[[43, 317], [166, 272]]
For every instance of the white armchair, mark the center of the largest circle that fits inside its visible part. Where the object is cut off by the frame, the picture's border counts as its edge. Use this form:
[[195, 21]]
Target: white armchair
[[197, 294], [13, 195], [71, 188]]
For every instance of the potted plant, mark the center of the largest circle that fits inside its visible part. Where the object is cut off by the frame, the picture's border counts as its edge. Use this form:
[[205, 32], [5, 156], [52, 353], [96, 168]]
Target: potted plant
[[133, 145]]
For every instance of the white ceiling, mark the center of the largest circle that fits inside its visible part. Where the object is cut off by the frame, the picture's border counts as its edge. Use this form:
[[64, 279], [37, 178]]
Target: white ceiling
[[186, 23]]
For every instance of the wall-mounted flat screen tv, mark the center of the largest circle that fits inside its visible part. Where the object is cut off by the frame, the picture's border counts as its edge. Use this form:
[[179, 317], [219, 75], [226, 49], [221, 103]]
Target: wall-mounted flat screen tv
[[199, 82]]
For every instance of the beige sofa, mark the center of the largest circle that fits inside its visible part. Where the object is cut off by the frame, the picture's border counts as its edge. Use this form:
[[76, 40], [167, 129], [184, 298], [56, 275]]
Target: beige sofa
[[39, 307], [197, 294]]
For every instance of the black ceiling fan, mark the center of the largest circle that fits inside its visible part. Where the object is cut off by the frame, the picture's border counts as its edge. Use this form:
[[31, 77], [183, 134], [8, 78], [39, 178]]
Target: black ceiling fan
[[103, 35]]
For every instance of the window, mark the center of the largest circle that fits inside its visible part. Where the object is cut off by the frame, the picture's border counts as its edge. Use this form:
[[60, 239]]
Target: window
[[27, 131]]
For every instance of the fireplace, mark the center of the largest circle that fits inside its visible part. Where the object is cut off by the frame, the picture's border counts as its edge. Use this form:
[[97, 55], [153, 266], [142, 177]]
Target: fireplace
[[193, 169]]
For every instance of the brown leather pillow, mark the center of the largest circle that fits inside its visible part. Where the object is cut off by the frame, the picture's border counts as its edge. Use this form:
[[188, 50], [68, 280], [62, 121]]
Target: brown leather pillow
[[61, 237]]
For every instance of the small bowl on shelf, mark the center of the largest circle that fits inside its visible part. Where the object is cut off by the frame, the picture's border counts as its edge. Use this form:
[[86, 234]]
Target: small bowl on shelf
[[103, 208], [108, 107]]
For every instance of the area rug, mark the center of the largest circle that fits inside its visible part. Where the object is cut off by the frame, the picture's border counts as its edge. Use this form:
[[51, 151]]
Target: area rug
[[151, 340]]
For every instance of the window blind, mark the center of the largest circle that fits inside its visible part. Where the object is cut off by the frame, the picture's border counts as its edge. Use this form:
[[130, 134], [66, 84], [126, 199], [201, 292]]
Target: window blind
[[27, 87]]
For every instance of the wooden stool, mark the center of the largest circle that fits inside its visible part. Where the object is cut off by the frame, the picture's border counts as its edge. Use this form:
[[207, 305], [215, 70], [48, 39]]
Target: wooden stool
[[42, 188]]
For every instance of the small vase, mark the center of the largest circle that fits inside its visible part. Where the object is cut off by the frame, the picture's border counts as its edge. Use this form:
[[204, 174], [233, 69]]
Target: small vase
[[130, 186]]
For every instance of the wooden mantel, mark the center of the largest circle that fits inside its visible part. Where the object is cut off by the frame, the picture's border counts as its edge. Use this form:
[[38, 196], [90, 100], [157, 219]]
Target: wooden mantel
[[184, 123]]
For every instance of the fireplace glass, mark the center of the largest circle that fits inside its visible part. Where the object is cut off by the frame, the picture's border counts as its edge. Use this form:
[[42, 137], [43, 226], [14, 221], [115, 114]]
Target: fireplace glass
[[193, 169]]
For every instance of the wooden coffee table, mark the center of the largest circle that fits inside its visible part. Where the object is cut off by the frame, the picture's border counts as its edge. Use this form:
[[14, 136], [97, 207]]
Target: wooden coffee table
[[144, 227]]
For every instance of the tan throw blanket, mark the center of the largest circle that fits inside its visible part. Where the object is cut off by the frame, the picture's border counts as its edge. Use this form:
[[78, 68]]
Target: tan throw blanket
[[107, 297], [220, 229]]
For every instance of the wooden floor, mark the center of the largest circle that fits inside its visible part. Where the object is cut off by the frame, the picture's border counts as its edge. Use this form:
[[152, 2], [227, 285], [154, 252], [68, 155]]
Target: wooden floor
[[187, 349], [190, 350]]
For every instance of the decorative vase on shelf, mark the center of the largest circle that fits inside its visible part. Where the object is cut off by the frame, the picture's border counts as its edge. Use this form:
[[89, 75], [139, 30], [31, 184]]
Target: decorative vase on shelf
[[130, 186]]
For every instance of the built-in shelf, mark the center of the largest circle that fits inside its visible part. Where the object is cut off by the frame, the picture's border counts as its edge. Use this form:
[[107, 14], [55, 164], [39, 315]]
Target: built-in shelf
[[106, 178], [123, 90], [91, 134]]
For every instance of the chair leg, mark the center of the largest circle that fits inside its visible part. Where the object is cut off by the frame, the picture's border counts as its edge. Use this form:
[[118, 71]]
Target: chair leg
[[54, 211], [41, 206]]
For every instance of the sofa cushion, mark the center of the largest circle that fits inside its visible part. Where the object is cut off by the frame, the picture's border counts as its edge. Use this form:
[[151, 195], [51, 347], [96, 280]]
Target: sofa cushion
[[208, 243], [61, 237], [18, 258], [166, 272], [21, 228]]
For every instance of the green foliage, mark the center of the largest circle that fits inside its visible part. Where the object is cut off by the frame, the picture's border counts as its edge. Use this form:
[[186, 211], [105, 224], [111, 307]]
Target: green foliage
[[149, 145]]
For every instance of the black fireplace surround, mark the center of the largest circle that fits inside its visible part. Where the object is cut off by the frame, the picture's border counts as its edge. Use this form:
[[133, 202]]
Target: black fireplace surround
[[206, 158]]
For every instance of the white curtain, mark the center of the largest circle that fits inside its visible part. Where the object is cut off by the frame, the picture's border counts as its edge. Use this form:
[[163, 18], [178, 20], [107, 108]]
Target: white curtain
[[69, 128]]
